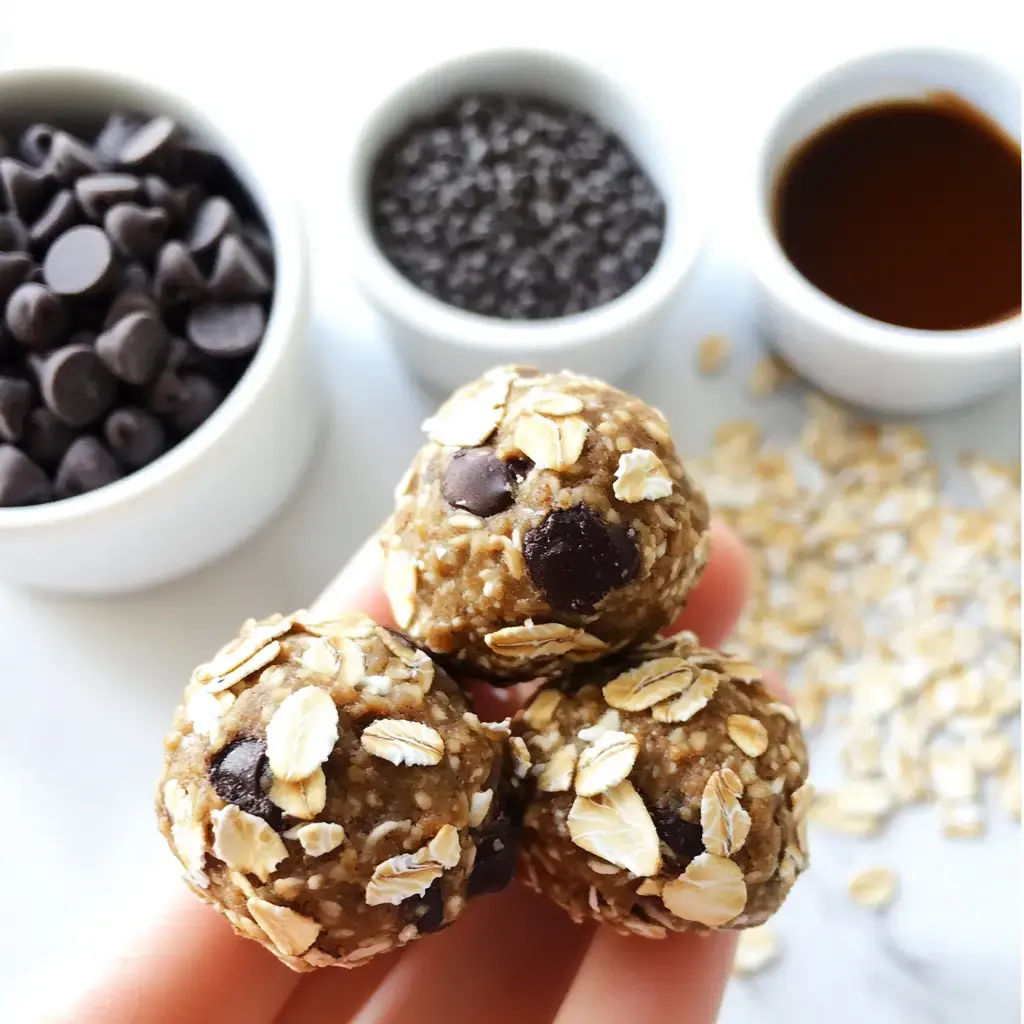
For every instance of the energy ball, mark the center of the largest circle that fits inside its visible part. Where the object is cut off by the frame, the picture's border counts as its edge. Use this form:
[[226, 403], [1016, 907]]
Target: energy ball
[[670, 792], [547, 521], [327, 789]]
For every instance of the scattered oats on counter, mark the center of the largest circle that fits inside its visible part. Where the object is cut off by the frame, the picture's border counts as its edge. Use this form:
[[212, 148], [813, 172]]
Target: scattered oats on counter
[[328, 790], [671, 792], [713, 354], [873, 887], [548, 521], [756, 949]]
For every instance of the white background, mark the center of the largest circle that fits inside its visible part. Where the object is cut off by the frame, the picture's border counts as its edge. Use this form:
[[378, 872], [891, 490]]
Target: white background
[[88, 687]]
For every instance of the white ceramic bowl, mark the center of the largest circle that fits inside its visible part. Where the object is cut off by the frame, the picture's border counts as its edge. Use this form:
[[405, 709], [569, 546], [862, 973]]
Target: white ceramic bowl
[[218, 486], [892, 369], [446, 345]]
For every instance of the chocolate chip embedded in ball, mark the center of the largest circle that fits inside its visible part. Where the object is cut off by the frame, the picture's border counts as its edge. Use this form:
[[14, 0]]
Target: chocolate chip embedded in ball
[[15, 268], [26, 188], [135, 231], [497, 846], [15, 402], [69, 158], [22, 482], [76, 386], [575, 558], [226, 329], [86, 466], [36, 317], [97, 193], [177, 279], [425, 911], [61, 214], [237, 274], [151, 145], [215, 218], [46, 437], [684, 838], [80, 263], [479, 482], [134, 347], [134, 436], [241, 776]]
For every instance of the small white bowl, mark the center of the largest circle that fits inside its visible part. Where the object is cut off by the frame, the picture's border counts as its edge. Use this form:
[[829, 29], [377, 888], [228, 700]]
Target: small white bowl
[[865, 361], [216, 488], [446, 345]]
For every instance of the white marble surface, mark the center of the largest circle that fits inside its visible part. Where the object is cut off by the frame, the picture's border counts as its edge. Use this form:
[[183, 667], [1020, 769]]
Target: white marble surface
[[88, 686]]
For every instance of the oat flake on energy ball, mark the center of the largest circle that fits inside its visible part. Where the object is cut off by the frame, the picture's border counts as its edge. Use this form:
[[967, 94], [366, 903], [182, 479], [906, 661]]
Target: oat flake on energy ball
[[548, 521]]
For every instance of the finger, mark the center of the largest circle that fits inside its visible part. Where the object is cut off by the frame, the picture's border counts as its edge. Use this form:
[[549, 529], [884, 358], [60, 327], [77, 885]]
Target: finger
[[510, 958], [679, 979]]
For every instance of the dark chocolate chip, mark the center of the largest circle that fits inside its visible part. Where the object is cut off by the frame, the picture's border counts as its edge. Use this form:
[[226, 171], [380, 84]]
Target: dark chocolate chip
[[520, 468], [86, 466], [36, 317], [237, 274], [176, 279], [97, 193], [134, 436], [151, 144], [180, 204], [425, 911], [136, 231], [80, 262], [683, 838], [13, 234], [15, 402], [14, 269], [478, 481], [197, 399], [226, 329], [129, 301], [134, 348], [26, 188], [260, 245], [119, 128], [69, 158], [46, 438], [22, 482], [241, 775], [61, 214], [497, 845], [215, 218], [575, 558], [75, 385], [35, 142]]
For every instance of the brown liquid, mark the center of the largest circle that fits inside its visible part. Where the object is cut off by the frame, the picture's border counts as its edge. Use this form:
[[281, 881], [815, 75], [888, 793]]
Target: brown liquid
[[908, 212]]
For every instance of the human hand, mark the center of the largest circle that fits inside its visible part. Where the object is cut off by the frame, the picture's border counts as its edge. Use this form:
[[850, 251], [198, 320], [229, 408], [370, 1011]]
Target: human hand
[[513, 957]]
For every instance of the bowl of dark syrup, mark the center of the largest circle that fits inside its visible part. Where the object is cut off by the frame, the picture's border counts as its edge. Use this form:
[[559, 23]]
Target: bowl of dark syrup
[[888, 230]]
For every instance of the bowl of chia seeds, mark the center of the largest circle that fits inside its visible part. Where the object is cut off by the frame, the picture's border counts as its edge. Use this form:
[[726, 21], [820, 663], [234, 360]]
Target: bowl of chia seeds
[[518, 205]]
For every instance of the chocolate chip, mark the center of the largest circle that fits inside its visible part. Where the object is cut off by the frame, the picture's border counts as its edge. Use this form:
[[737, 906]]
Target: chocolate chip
[[61, 214], [46, 438], [237, 274], [134, 348], [176, 279], [14, 269], [97, 193], [478, 481], [13, 234], [196, 400], [22, 482], [35, 142], [260, 245], [129, 301], [36, 317], [69, 158], [241, 775], [134, 436], [180, 204], [80, 262], [76, 386], [26, 188], [520, 468], [574, 558], [86, 466], [215, 218], [15, 402], [425, 911], [151, 145], [226, 329], [117, 130], [683, 838], [497, 845], [136, 232]]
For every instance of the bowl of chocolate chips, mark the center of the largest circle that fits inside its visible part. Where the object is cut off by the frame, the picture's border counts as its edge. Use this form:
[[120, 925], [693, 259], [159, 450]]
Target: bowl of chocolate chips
[[153, 305], [519, 205]]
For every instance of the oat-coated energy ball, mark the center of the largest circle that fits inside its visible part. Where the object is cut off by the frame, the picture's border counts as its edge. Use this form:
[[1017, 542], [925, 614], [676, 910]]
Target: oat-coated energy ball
[[670, 792], [327, 789], [548, 521]]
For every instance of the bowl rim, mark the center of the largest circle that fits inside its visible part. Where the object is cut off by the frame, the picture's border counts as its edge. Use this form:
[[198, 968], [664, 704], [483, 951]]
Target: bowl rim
[[788, 285], [280, 212], [389, 289]]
